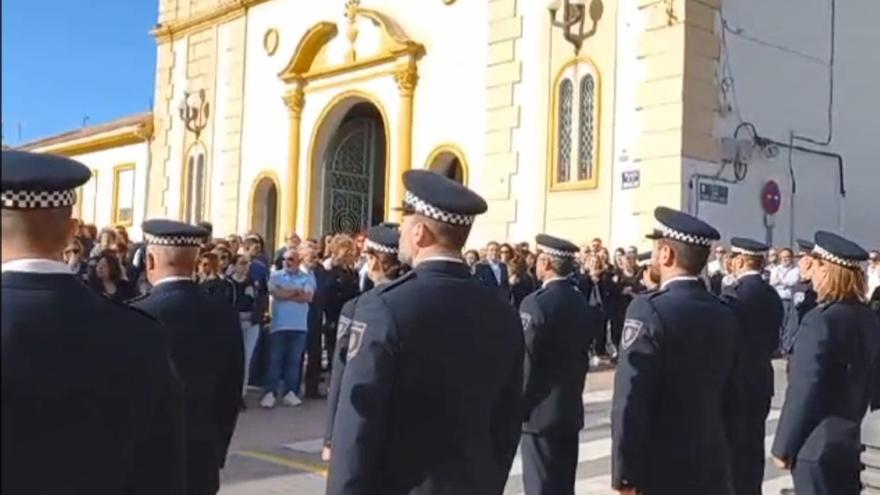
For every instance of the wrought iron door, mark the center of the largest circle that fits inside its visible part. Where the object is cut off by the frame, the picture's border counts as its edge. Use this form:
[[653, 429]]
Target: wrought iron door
[[349, 165]]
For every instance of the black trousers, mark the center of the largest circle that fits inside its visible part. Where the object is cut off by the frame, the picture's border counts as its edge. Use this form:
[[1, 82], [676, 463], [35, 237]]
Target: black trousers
[[748, 449], [330, 342], [313, 355], [549, 463], [202, 469], [813, 478]]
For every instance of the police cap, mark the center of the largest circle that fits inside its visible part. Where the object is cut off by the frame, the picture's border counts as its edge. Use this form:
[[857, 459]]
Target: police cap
[[383, 238], [838, 250], [160, 232], [556, 247], [748, 247], [804, 245], [679, 226], [33, 181], [440, 198]]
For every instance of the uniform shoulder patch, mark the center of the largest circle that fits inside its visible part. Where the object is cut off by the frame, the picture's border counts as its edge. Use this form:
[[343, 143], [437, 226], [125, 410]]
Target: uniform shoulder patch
[[355, 338], [342, 326], [526, 319], [632, 328]]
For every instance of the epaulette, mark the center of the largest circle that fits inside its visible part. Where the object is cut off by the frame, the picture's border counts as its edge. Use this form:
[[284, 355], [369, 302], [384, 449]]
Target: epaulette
[[395, 283]]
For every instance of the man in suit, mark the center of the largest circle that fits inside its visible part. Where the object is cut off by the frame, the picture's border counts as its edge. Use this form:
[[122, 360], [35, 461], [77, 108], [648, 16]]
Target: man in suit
[[90, 400], [493, 273], [559, 328], [671, 417], [205, 339], [430, 400], [759, 311]]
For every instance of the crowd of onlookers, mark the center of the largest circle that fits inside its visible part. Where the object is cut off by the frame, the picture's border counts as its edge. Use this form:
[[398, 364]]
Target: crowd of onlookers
[[293, 297]]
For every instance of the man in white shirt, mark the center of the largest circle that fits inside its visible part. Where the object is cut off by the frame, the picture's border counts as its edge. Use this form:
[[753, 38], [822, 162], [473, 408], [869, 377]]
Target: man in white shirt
[[873, 272], [784, 276]]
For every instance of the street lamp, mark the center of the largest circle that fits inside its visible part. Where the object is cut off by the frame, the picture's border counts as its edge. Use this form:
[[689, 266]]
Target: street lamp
[[574, 16], [194, 111]]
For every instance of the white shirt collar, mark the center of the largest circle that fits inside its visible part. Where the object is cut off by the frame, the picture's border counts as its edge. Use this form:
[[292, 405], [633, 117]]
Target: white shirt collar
[[37, 265], [681, 278], [450, 259], [168, 280], [554, 279], [748, 273]]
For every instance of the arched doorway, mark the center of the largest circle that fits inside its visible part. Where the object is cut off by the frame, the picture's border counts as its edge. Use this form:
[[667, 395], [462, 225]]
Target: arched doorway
[[448, 161], [264, 210], [352, 169]]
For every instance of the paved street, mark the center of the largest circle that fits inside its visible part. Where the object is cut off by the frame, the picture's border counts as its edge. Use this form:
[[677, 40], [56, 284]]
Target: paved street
[[278, 451]]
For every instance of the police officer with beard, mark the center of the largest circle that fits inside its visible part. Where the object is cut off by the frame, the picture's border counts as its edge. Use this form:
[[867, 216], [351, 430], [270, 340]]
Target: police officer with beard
[[91, 404], [430, 400], [833, 378], [675, 381], [560, 327], [759, 311], [204, 335]]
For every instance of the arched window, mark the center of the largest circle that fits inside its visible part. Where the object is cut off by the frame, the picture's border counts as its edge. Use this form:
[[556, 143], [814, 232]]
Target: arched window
[[574, 150], [449, 160], [195, 182]]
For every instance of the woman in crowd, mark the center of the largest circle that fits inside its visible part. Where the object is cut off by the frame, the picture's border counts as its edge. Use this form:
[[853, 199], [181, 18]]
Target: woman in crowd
[[106, 241], [73, 256], [383, 267], [90, 234], [505, 253], [245, 298], [225, 260], [106, 278], [472, 257], [342, 284], [603, 296], [209, 277], [234, 241], [521, 283], [531, 262], [326, 250], [619, 253]]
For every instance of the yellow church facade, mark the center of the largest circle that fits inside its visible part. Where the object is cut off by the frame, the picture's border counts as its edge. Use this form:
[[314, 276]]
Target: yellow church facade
[[300, 116]]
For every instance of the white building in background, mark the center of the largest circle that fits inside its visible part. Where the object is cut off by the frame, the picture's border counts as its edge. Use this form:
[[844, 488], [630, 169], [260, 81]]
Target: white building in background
[[316, 108], [118, 154]]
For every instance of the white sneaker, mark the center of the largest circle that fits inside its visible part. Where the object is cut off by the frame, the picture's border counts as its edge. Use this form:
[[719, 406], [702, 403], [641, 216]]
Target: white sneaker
[[291, 400], [268, 401]]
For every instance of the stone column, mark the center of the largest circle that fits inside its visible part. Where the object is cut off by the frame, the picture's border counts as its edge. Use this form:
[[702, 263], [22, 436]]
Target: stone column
[[406, 76], [295, 101]]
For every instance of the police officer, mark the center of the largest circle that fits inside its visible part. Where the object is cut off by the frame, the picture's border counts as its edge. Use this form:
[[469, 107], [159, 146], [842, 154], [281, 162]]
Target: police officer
[[759, 311], [90, 403], [803, 297], [675, 378], [833, 376], [382, 267], [560, 327], [205, 339], [430, 400]]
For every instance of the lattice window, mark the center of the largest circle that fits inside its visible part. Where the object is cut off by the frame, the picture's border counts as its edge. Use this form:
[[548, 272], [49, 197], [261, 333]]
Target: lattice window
[[586, 131], [196, 177], [563, 144], [576, 106]]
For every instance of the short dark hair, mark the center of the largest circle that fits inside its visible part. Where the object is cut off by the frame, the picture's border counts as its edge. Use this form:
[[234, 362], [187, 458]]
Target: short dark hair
[[452, 237], [562, 266], [688, 256]]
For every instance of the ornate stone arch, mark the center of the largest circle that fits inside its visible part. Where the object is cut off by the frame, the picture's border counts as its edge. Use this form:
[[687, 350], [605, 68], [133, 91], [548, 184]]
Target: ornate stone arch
[[311, 62]]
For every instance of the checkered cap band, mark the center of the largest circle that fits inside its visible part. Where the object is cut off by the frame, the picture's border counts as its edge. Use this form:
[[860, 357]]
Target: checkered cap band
[[556, 253], [424, 208], [829, 256], [375, 246], [174, 240], [746, 252], [671, 233], [34, 200]]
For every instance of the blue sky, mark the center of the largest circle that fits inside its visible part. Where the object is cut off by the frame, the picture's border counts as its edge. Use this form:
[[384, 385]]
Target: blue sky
[[65, 59]]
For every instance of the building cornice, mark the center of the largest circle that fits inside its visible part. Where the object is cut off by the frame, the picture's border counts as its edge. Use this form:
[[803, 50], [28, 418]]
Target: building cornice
[[89, 141], [175, 29]]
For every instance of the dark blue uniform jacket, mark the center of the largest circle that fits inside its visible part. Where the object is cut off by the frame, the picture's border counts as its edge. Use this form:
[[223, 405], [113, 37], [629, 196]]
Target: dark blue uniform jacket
[[430, 401]]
